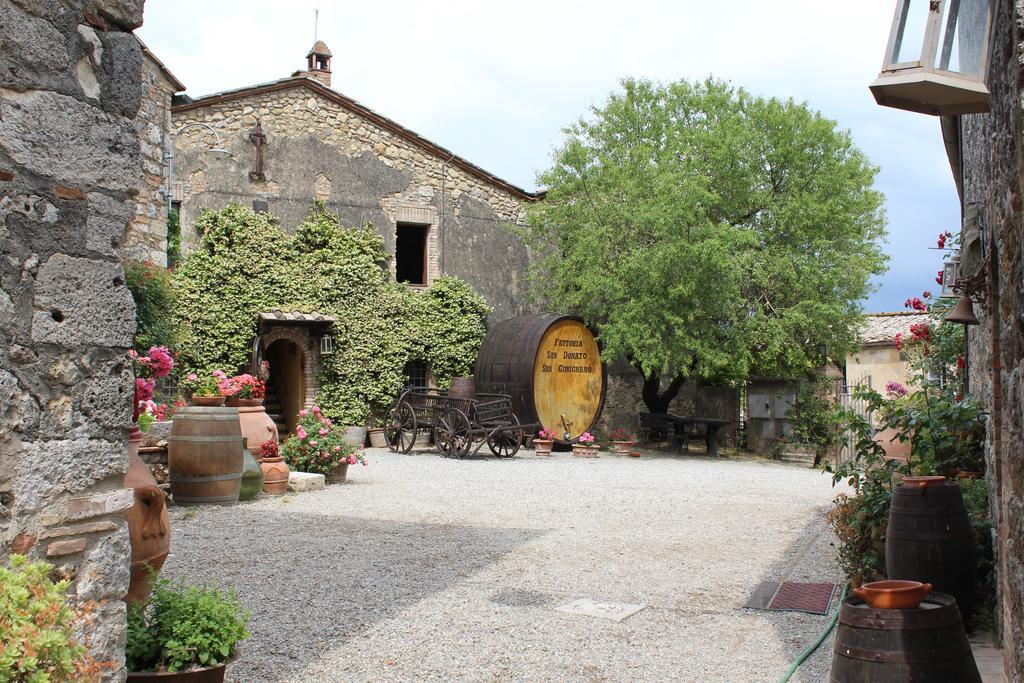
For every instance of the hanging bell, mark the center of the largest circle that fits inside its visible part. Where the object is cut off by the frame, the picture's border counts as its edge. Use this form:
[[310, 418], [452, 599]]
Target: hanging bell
[[963, 312]]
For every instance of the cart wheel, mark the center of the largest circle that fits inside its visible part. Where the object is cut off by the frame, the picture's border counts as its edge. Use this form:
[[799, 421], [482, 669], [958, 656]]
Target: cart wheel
[[506, 442], [400, 428], [452, 433]]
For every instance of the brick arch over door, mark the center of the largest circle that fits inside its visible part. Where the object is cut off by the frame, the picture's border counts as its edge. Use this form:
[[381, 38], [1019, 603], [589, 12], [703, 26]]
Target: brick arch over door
[[301, 339]]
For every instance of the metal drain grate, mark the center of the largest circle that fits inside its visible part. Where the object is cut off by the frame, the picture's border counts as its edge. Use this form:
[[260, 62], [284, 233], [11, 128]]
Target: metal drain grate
[[814, 598]]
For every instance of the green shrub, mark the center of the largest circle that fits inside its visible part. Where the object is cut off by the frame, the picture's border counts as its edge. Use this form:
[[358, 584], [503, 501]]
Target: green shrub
[[182, 627], [153, 291], [976, 500], [36, 635], [245, 265]]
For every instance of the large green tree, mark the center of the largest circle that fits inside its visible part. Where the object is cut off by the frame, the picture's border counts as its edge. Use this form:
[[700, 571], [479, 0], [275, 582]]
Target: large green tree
[[706, 232]]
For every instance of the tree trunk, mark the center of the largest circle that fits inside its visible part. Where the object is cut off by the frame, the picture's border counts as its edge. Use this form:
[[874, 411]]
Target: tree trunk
[[659, 402]]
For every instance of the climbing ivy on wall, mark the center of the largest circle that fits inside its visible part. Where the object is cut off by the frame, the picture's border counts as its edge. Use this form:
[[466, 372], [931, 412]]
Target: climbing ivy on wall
[[246, 264]]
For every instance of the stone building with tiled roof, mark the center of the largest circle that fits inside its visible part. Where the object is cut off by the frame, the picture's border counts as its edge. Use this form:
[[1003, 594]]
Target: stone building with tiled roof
[[878, 358]]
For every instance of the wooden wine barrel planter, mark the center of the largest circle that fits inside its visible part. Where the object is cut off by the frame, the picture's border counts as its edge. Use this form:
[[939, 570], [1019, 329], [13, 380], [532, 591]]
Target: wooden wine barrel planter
[[929, 539], [927, 643], [551, 367], [204, 456]]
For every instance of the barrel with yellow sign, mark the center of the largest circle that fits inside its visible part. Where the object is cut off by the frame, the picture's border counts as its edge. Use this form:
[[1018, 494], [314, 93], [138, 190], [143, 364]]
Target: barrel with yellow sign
[[550, 365]]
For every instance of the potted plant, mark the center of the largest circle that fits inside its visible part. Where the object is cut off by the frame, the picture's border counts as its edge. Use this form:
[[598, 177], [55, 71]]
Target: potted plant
[[320, 447], [246, 393], [375, 433], [37, 627], [275, 470], [622, 440], [243, 390], [204, 391], [543, 442], [585, 446], [183, 634]]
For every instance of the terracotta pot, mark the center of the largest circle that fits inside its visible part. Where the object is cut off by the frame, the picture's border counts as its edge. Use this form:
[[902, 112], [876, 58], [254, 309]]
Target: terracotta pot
[[252, 474], [208, 401], [542, 446], [623, 447], [254, 422], [208, 674], [893, 594], [338, 474], [968, 474], [275, 475], [634, 454], [149, 526], [356, 436], [582, 451], [377, 438]]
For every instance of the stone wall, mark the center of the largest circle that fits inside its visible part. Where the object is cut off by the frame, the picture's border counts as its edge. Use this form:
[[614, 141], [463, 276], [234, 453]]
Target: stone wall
[[69, 166], [316, 147], [993, 175], [146, 237]]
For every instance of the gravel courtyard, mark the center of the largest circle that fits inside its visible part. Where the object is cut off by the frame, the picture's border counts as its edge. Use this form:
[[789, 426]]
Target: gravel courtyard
[[424, 568]]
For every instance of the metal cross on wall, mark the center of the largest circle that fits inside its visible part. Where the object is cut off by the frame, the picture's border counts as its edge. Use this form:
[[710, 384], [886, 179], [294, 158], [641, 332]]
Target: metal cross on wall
[[258, 139]]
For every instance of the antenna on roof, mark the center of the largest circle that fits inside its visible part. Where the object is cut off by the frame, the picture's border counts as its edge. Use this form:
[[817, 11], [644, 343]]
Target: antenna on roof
[[316, 20]]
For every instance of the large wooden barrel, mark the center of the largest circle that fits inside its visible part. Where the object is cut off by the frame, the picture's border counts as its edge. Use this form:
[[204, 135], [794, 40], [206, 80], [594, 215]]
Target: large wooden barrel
[[204, 456], [929, 539], [550, 365], [927, 643]]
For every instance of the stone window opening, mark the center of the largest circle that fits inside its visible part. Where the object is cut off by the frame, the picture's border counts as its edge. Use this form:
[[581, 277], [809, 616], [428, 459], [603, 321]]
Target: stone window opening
[[411, 254]]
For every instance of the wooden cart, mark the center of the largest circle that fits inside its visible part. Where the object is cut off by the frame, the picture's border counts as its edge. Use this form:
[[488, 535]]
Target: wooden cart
[[459, 425]]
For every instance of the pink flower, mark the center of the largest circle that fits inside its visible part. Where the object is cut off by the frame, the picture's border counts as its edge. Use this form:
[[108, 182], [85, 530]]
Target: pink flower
[[337, 449], [144, 389], [312, 443], [364, 463], [133, 354], [301, 433], [303, 413], [927, 294], [316, 410], [324, 431], [161, 361], [895, 389], [351, 460], [898, 341], [938, 278], [219, 374], [327, 421], [192, 377]]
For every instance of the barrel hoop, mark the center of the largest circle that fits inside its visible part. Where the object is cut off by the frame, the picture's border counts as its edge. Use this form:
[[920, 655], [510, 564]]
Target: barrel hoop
[[906, 619], [928, 512], [205, 439], [928, 535], [178, 479], [901, 656], [201, 499]]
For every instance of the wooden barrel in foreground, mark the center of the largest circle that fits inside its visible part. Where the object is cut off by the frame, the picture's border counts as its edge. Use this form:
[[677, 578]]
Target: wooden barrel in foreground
[[927, 643], [930, 539], [550, 365], [204, 456]]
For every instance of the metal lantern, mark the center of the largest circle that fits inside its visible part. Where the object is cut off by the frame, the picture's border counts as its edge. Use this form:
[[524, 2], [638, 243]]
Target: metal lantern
[[326, 345], [950, 273], [937, 57]]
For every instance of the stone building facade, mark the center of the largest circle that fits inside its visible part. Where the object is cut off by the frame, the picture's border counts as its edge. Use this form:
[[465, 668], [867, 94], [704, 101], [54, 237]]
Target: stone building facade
[[987, 155], [146, 238], [70, 166], [312, 142]]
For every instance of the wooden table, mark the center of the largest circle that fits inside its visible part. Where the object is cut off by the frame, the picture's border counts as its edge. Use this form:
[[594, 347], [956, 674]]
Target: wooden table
[[712, 425]]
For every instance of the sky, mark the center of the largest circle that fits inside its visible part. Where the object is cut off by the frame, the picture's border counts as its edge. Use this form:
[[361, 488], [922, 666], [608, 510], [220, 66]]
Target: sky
[[496, 82]]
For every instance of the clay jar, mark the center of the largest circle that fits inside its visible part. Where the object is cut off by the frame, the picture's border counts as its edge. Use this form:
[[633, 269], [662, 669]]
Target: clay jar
[[256, 425], [148, 522], [275, 475]]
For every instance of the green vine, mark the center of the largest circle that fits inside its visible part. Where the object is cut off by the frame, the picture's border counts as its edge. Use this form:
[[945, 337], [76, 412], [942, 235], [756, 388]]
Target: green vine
[[245, 264]]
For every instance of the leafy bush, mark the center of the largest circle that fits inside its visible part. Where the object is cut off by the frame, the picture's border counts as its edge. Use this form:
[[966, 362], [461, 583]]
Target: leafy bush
[[153, 292], [813, 416], [182, 627], [976, 500], [245, 265], [860, 520], [36, 634], [317, 445]]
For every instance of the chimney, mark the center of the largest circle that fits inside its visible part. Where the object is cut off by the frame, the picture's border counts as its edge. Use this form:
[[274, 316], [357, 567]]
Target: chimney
[[319, 63]]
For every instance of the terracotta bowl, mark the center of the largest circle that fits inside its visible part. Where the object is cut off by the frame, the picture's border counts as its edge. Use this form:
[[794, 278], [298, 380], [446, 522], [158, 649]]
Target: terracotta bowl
[[924, 482], [208, 401], [893, 594]]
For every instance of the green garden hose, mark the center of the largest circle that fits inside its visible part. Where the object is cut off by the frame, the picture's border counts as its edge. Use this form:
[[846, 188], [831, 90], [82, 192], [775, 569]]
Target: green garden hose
[[809, 650]]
